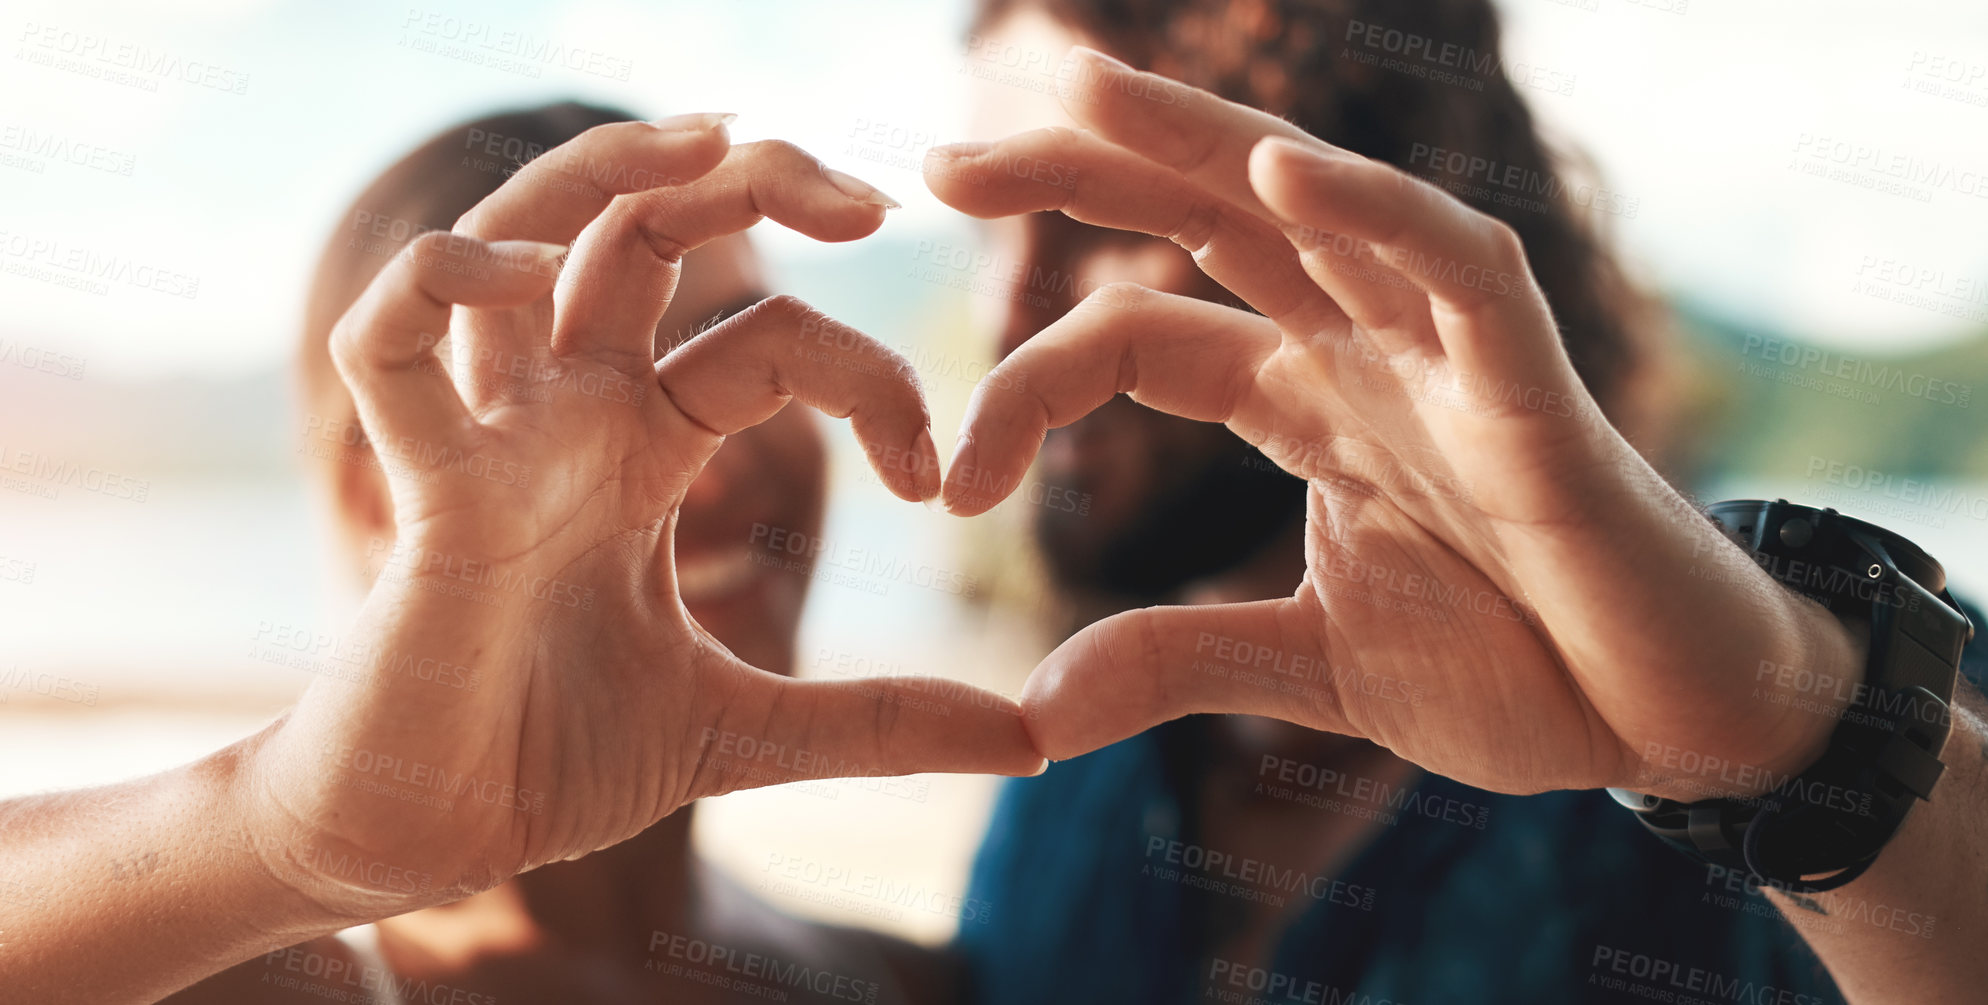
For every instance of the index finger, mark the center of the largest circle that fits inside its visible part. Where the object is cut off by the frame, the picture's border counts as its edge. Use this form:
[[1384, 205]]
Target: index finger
[[872, 728], [1196, 133], [625, 265], [1110, 186], [1175, 354], [384, 345], [554, 196]]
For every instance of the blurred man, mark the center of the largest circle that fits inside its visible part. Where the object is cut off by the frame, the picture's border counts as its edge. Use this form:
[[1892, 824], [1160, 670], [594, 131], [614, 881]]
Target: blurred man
[[1235, 858]]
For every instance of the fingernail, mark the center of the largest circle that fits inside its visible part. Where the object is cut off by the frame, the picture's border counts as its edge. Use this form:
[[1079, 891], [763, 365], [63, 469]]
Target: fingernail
[[927, 454], [858, 189], [1311, 154], [964, 454], [955, 151], [1087, 52], [697, 122], [533, 256]]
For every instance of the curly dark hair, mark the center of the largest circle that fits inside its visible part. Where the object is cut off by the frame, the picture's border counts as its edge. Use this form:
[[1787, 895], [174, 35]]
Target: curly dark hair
[[1349, 72]]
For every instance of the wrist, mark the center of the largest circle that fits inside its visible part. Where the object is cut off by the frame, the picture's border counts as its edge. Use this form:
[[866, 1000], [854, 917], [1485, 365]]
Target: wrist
[[1793, 683], [275, 847], [313, 879], [351, 796], [1814, 683]]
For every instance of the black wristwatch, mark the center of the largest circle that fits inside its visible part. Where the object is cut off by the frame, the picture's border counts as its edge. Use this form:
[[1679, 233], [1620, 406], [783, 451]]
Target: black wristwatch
[[1833, 819]]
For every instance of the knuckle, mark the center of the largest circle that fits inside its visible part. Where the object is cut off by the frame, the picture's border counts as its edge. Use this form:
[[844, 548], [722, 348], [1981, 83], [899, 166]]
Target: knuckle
[[777, 152], [433, 244], [611, 133], [1197, 226], [595, 141], [1121, 295], [1409, 194], [344, 344], [900, 373], [789, 307], [1130, 640], [1059, 136], [886, 716], [787, 303], [1503, 240], [780, 313], [1197, 154], [648, 220]]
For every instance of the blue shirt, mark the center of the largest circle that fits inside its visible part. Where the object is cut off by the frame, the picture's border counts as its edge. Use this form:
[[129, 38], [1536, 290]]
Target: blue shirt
[[1097, 891]]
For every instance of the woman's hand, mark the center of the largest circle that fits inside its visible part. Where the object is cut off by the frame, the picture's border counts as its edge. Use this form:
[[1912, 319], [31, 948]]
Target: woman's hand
[[535, 496], [1498, 587]]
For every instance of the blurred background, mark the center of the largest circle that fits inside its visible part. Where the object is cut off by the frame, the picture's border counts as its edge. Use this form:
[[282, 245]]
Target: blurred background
[[1805, 184]]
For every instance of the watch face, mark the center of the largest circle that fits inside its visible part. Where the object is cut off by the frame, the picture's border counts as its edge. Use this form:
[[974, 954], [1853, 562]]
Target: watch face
[[1885, 757], [1835, 559]]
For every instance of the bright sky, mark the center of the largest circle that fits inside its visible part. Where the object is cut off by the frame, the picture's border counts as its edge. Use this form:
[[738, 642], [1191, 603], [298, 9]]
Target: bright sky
[[1702, 120]]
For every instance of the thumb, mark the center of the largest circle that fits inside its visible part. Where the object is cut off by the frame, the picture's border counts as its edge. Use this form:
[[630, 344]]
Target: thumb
[[1133, 671], [775, 729]]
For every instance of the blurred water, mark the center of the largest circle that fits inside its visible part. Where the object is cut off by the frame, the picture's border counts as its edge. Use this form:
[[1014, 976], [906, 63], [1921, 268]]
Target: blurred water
[[160, 594]]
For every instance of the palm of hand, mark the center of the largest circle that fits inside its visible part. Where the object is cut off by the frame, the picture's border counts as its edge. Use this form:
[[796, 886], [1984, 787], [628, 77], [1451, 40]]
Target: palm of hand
[[1409, 524]]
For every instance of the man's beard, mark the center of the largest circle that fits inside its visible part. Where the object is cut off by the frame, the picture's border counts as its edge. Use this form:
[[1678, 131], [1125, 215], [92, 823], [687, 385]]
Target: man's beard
[[1225, 512]]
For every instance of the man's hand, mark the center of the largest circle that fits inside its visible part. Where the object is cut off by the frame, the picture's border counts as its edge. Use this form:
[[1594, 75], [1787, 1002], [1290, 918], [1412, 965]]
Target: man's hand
[[535, 516], [1498, 587]]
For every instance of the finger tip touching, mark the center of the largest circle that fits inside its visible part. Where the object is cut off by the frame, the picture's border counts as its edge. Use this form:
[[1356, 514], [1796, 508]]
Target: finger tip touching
[[965, 491], [1271, 162], [955, 174], [1289, 176], [997, 727], [840, 224], [921, 481], [1051, 734], [1085, 81], [836, 207], [697, 143], [858, 214], [1024, 173]]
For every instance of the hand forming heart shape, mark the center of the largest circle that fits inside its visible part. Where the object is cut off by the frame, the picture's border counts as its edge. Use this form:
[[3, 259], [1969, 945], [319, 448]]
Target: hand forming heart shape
[[534, 530], [1495, 576]]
